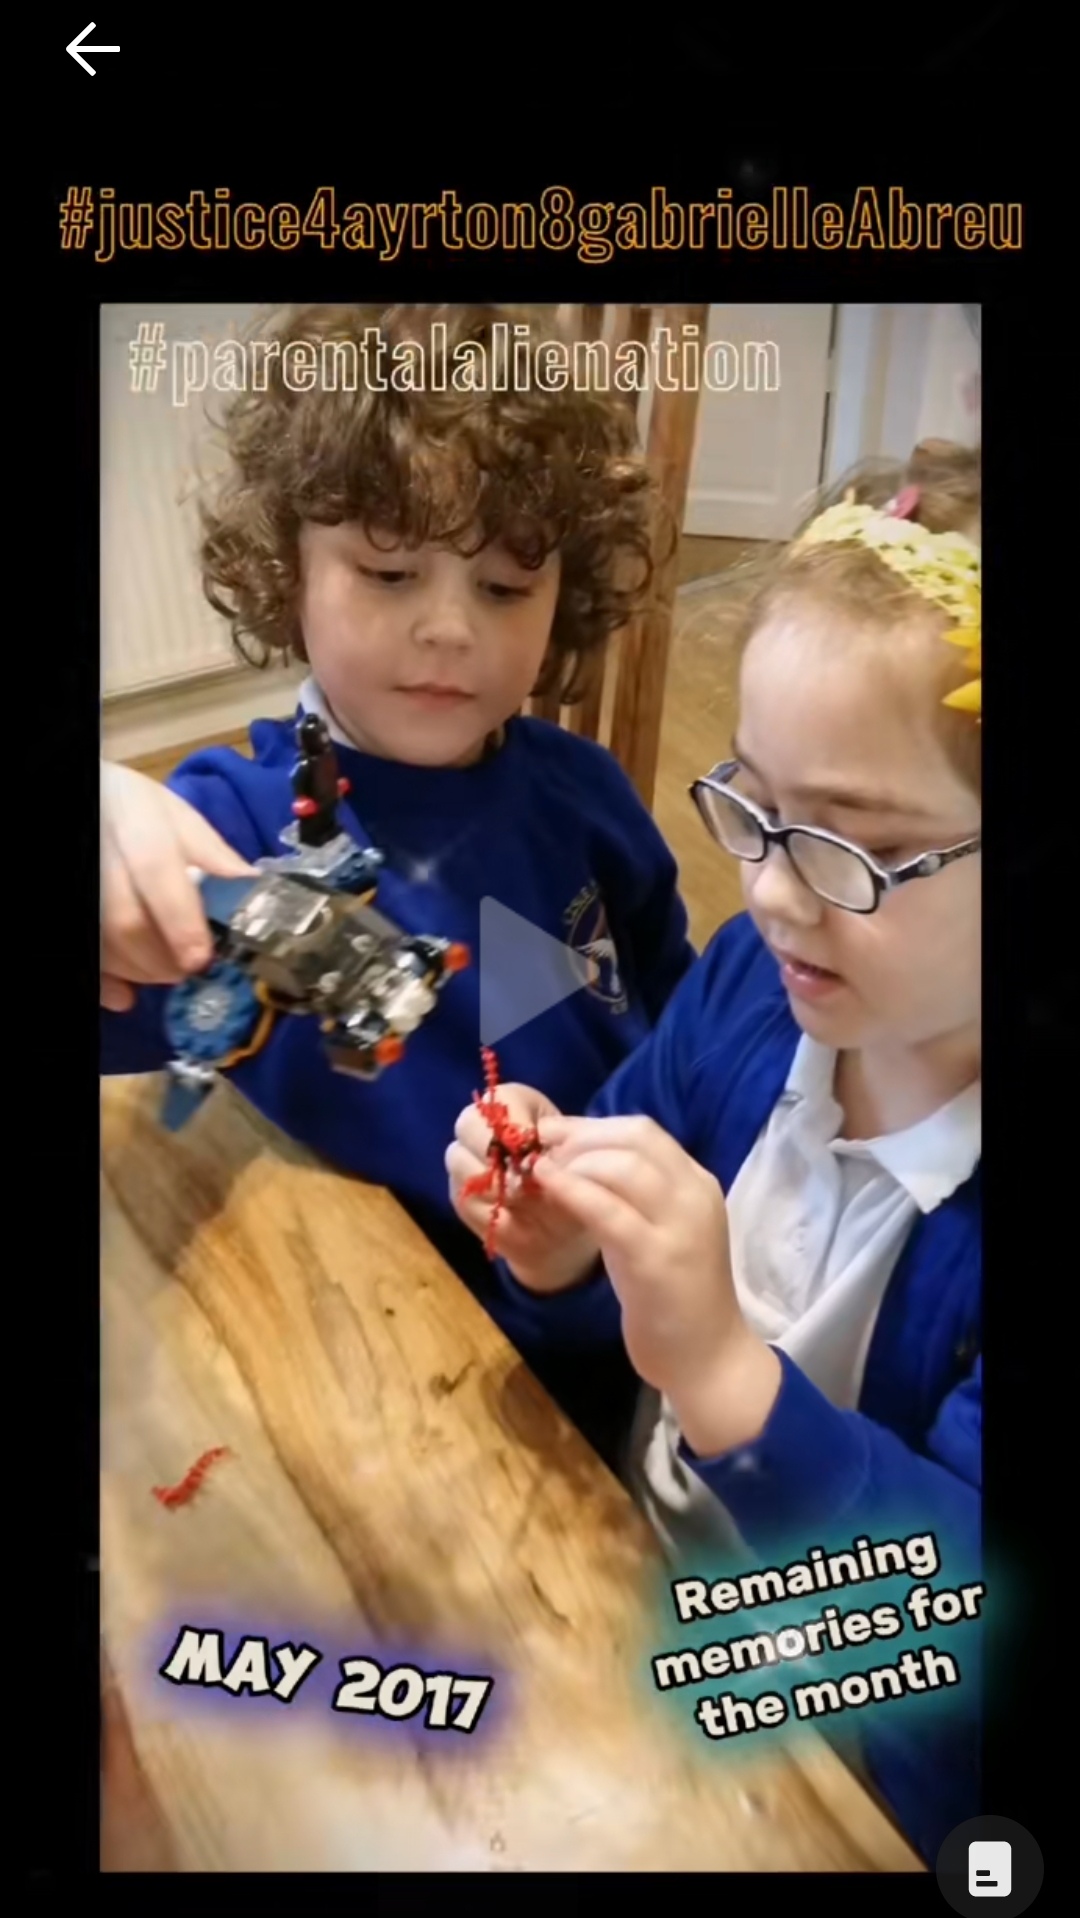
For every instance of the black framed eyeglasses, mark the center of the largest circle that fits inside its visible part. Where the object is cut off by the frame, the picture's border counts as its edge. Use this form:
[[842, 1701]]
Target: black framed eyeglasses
[[839, 873]]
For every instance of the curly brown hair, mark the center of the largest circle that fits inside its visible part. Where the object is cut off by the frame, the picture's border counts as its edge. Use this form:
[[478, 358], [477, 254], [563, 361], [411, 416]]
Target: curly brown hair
[[530, 468]]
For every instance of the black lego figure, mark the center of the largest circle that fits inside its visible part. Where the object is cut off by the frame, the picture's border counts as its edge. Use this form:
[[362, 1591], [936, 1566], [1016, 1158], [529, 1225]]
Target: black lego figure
[[315, 783]]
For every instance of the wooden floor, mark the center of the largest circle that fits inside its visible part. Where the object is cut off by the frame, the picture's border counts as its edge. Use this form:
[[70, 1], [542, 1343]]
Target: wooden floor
[[696, 732]]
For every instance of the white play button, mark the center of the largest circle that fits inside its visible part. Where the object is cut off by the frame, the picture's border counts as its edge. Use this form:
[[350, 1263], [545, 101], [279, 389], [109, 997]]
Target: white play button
[[523, 972]]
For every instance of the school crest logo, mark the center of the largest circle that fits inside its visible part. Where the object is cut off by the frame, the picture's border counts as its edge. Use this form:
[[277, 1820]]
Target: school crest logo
[[589, 934]]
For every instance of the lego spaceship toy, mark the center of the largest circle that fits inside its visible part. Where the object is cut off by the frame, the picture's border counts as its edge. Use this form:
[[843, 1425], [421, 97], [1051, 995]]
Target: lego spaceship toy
[[303, 937]]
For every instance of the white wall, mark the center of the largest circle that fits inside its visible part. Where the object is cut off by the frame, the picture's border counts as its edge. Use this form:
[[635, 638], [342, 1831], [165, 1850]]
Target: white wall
[[168, 669], [951, 406], [156, 625], [901, 374]]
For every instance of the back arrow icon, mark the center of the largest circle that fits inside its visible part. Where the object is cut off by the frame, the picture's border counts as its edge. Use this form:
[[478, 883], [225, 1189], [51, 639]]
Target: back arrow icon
[[74, 45]]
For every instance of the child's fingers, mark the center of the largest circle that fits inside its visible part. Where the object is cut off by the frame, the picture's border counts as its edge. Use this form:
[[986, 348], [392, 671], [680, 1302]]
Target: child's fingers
[[116, 995], [172, 901], [520, 1221], [473, 1132], [473, 1208], [622, 1128], [522, 1105], [201, 845], [568, 1140], [517, 1243], [610, 1220], [157, 836], [462, 1164], [525, 1106], [150, 904], [625, 1174], [473, 1213], [131, 947]]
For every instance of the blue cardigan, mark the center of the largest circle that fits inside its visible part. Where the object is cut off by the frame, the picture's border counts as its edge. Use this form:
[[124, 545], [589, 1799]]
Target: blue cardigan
[[550, 827], [711, 1074]]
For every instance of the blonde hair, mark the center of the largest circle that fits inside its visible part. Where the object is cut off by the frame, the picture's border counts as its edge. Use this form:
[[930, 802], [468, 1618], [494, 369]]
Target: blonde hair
[[851, 580]]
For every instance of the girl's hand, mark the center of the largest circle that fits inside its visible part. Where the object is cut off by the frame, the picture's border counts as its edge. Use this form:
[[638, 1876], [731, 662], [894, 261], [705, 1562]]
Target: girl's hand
[[661, 1224], [543, 1245], [153, 928]]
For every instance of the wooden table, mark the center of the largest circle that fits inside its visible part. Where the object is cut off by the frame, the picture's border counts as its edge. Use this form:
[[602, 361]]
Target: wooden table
[[397, 1479]]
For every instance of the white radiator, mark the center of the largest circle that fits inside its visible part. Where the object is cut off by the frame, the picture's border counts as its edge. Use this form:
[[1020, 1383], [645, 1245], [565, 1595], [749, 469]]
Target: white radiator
[[157, 629]]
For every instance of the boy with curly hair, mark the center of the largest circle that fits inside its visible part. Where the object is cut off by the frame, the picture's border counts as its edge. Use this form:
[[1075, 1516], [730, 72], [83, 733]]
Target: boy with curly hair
[[436, 556]]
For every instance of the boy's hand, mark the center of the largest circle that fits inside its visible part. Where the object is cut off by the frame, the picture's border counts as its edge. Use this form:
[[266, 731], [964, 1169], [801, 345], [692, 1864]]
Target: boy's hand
[[153, 928], [660, 1221], [543, 1245]]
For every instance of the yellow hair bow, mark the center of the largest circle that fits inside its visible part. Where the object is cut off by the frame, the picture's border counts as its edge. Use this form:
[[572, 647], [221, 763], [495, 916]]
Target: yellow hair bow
[[946, 568]]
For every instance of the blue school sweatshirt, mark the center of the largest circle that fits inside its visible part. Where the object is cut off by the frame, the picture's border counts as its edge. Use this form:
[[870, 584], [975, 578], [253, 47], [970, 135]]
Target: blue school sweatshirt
[[710, 1075], [550, 827]]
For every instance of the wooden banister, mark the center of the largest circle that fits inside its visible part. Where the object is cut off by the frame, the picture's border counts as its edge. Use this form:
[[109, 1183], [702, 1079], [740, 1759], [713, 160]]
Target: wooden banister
[[643, 659], [644, 645]]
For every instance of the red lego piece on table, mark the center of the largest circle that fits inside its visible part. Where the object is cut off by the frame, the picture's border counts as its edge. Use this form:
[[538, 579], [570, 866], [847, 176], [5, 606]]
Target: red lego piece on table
[[172, 1495]]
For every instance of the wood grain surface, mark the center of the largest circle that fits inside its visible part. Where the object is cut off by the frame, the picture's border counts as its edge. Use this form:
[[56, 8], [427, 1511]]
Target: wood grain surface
[[398, 1487]]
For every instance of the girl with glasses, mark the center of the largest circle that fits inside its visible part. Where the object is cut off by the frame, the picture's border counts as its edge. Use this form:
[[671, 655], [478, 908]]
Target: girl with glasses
[[775, 1201]]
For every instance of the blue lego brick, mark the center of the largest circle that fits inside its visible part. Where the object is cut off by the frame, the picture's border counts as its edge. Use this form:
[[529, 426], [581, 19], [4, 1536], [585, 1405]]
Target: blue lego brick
[[209, 1015], [181, 1102]]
